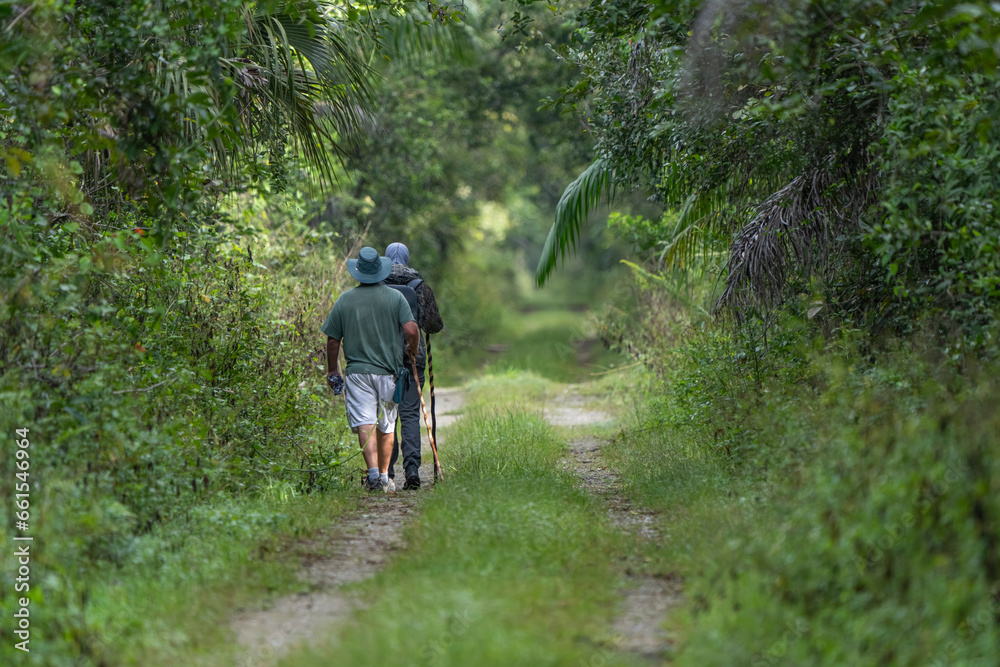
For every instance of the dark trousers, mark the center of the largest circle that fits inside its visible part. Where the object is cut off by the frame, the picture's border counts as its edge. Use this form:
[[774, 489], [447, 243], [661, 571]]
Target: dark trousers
[[409, 419]]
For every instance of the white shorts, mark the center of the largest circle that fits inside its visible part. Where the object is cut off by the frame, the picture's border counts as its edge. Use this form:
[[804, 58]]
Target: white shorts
[[369, 401]]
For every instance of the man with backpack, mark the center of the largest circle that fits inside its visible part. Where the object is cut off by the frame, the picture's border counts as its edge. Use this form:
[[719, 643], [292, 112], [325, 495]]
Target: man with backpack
[[369, 321], [424, 309]]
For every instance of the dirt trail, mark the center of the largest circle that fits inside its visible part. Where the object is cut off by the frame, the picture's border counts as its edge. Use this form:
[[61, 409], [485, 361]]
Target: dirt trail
[[639, 626], [359, 545], [353, 550]]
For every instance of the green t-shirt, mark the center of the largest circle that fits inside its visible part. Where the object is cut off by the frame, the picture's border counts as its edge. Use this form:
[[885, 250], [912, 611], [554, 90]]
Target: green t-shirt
[[368, 319]]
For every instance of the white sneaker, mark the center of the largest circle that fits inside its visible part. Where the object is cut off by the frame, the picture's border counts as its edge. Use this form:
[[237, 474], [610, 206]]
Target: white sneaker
[[389, 487]]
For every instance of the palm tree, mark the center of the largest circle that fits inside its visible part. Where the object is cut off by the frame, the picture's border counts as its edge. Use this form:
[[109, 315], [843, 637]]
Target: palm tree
[[300, 74], [162, 103], [725, 175]]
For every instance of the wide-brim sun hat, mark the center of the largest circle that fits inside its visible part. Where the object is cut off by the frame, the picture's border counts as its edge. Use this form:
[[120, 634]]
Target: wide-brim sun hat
[[369, 268]]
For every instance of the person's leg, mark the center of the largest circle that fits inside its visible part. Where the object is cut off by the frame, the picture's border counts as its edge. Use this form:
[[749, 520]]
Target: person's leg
[[384, 451], [361, 400], [385, 428], [395, 455], [410, 426], [369, 446], [400, 434]]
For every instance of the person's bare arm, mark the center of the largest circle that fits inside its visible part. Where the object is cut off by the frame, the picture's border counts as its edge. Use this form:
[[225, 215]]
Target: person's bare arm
[[332, 357], [412, 334]]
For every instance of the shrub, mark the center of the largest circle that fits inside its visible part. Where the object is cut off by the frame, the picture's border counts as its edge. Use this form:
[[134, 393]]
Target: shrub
[[840, 503], [155, 379]]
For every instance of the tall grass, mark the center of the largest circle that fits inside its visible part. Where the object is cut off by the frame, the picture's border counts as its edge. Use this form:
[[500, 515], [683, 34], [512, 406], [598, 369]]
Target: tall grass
[[838, 513]]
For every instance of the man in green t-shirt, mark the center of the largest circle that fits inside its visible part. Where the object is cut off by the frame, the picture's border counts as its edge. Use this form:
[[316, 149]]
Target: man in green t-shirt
[[368, 320]]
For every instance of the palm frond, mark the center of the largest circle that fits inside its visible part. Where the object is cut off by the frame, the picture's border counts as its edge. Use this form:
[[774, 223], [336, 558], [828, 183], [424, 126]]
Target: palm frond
[[410, 41], [577, 201], [672, 286], [709, 213], [793, 230], [683, 247], [306, 73]]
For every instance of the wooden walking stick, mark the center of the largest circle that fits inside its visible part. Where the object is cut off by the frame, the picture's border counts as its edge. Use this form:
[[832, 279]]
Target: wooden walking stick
[[430, 378], [427, 423]]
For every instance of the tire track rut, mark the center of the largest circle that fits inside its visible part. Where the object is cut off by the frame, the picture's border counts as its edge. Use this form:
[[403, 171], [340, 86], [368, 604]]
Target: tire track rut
[[638, 629], [351, 551]]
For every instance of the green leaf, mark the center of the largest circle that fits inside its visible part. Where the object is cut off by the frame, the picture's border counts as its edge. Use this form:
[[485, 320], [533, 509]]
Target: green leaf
[[576, 203]]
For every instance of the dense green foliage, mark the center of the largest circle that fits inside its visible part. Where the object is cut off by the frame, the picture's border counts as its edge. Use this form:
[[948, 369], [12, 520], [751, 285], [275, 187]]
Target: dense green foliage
[[156, 336], [841, 505], [466, 169], [139, 107], [827, 466], [167, 381], [843, 140]]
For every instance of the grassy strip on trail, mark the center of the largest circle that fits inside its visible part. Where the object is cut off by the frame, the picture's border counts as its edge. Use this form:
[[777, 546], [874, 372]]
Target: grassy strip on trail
[[171, 602], [509, 562], [550, 333], [557, 344]]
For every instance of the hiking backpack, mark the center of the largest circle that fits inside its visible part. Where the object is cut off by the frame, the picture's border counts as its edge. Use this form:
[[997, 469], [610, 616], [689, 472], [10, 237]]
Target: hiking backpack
[[409, 292]]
